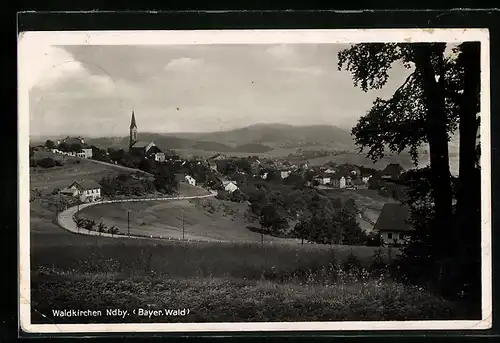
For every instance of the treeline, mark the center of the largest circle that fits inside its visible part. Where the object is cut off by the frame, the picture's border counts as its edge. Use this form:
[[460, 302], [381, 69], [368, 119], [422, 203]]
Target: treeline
[[65, 147], [304, 213]]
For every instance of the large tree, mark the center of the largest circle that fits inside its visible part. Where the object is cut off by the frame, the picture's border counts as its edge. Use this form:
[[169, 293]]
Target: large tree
[[420, 111], [440, 93]]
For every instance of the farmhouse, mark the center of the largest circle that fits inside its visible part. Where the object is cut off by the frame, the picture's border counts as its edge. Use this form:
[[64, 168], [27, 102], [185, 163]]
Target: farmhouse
[[86, 191], [230, 186], [392, 224], [392, 172]]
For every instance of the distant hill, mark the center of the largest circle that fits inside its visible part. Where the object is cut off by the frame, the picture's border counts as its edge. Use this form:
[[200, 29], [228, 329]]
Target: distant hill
[[260, 138], [280, 136]]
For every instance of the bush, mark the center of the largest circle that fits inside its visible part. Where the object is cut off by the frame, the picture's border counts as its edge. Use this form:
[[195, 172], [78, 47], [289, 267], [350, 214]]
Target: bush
[[47, 162]]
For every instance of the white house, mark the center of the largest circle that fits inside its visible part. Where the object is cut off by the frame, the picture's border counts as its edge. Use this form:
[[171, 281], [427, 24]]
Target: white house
[[85, 153], [366, 178], [393, 225], [230, 186], [159, 156], [284, 174], [86, 191], [323, 179], [342, 182], [189, 179], [329, 171]]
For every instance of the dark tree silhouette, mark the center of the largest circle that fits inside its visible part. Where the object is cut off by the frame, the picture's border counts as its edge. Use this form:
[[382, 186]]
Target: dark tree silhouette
[[50, 144], [439, 94]]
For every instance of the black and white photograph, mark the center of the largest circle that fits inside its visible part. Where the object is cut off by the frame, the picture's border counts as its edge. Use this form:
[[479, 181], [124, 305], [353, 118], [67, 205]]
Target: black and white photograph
[[254, 180]]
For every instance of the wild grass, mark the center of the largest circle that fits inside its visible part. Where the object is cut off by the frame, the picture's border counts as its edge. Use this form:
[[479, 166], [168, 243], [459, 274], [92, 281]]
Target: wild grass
[[213, 299], [187, 259], [223, 282]]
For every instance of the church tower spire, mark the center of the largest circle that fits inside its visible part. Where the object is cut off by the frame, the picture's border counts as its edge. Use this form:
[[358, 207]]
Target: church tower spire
[[133, 130]]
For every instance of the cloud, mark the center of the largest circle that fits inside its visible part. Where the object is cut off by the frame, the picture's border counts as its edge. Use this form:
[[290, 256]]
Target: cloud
[[183, 64], [50, 66], [281, 51], [315, 71]]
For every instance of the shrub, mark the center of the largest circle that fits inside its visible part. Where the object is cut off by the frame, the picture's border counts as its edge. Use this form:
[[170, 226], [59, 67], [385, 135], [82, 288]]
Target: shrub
[[46, 162]]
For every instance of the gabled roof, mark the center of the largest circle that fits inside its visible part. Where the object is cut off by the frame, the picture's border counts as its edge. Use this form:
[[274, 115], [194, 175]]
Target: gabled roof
[[225, 183], [141, 144], [393, 169], [86, 184], [393, 217]]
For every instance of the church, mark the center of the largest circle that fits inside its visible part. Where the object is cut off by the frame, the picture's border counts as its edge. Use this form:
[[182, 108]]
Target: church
[[143, 148]]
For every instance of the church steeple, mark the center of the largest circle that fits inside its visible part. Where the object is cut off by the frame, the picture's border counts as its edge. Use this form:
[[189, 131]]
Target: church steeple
[[132, 122], [133, 131]]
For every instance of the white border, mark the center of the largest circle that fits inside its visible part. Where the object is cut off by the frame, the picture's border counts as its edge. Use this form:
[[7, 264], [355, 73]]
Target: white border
[[28, 40]]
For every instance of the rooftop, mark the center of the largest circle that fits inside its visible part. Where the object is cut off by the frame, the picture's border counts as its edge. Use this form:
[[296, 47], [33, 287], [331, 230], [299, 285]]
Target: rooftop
[[87, 184], [141, 144], [393, 217]]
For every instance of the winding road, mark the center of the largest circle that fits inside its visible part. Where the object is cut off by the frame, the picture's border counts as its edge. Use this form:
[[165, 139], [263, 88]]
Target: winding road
[[65, 218]]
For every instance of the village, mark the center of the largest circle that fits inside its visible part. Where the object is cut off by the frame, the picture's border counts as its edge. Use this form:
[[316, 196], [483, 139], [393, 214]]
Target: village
[[226, 175]]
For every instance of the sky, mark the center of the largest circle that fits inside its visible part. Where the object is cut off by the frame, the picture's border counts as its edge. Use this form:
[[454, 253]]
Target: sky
[[91, 90]]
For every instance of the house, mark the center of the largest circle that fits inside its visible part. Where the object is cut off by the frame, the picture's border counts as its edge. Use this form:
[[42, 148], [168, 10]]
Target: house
[[159, 157], [86, 191], [284, 173], [85, 153], [338, 182], [392, 172], [189, 179], [366, 178], [330, 171], [359, 184], [230, 186], [322, 179], [392, 224]]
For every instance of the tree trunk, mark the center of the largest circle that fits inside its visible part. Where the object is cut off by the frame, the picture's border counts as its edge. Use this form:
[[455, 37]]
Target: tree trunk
[[468, 187], [429, 62]]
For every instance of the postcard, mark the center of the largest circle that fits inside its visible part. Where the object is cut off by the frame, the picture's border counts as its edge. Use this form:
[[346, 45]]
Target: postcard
[[254, 180]]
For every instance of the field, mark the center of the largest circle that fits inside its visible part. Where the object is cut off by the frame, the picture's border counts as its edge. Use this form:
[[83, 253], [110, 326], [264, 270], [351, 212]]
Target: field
[[73, 169], [220, 282], [204, 219]]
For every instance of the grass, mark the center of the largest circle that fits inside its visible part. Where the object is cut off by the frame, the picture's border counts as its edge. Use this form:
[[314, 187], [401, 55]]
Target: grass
[[214, 299], [204, 219], [70, 171], [221, 282], [190, 259]]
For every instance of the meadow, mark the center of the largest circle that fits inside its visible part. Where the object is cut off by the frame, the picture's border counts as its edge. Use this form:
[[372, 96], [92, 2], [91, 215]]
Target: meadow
[[222, 282], [203, 219]]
